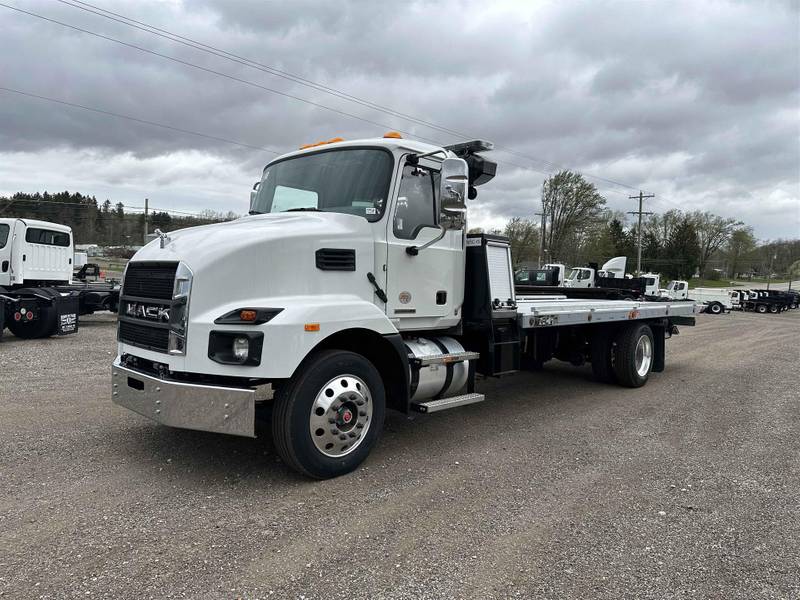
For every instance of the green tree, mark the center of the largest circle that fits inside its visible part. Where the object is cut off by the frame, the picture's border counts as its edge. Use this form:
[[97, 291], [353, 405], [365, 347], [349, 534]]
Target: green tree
[[713, 232], [524, 237], [682, 252], [741, 243], [573, 205]]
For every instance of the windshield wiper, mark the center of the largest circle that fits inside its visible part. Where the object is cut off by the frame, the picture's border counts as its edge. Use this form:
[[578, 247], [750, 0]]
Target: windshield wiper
[[305, 208]]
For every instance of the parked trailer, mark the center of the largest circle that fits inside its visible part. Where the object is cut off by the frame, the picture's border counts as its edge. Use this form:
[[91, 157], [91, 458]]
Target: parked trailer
[[37, 295], [343, 295]]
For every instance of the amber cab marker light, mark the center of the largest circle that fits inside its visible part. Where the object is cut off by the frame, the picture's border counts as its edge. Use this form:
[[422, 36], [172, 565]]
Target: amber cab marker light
[[312, 327], [247, 315], [393, 135]]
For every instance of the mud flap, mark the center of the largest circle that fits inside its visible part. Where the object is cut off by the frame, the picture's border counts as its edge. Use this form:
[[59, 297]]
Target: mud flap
[[66, 314], [659, 349]]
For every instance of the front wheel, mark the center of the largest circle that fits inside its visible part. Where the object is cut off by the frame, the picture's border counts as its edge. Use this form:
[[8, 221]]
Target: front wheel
[[329, 415], [715, 308], [633, 355], [761, 308]]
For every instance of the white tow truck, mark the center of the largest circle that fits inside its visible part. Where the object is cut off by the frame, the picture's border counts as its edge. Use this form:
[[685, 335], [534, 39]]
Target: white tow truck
[[714, 301], [38, 297], [353, 288]]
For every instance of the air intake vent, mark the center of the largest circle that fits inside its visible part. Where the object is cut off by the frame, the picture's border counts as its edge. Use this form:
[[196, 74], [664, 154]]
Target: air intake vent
[[150, 279], [143, 336], [336, 259]]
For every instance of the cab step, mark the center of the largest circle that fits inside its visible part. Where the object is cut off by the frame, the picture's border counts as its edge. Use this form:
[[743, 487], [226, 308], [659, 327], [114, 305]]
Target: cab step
[[445, 403], [443, 359]]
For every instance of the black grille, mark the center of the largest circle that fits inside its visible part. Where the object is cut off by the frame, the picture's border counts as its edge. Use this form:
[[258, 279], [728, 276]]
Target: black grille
[[150, 280], [336, 259], [144, 336]]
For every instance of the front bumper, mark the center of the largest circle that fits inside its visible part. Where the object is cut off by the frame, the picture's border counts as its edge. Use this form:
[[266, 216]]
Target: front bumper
[[185, 405]]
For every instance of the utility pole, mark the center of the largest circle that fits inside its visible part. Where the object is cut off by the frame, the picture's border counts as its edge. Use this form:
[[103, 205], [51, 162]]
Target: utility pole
[[146, 201], [769, 274], [639, 212], [543, 215]]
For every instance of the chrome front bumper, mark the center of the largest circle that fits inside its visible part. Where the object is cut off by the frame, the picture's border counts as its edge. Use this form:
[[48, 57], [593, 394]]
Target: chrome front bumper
[[185, 405]]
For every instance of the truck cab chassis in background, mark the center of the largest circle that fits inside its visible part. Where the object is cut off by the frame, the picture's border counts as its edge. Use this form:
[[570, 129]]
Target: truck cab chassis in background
[[352, 288], [38, 297]]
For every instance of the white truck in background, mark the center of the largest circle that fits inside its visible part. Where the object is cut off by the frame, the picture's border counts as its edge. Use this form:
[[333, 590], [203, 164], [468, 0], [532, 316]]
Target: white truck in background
[[714, 301], [353, 288], [38, 297]]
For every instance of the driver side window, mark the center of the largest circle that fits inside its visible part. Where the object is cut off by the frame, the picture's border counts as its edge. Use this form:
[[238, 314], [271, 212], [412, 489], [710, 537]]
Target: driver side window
[[416, 206]]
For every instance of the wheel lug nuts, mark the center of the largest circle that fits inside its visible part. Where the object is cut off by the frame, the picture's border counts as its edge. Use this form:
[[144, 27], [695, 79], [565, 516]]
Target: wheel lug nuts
[[353, 396], [363, 413], [342, 437], [334, 431], [331, 420], [360, 426], [360, 402], [352, 435]]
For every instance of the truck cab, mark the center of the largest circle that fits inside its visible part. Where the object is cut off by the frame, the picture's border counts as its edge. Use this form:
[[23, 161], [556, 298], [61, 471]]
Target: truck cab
[[34, 252], [676, 290], [580, 277]]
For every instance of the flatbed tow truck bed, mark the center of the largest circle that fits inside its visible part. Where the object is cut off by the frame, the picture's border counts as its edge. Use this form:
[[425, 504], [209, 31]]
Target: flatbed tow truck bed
[[538, 311]]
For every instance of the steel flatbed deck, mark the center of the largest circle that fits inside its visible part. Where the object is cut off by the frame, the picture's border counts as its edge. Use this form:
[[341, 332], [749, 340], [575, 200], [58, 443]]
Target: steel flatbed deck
[[552, 311]]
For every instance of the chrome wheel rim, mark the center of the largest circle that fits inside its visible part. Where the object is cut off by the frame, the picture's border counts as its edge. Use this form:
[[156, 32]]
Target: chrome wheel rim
[[644, 355], [341, 416]]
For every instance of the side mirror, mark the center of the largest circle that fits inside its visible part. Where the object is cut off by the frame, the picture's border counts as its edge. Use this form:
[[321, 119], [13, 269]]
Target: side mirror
[[253, 194], [453, 191]]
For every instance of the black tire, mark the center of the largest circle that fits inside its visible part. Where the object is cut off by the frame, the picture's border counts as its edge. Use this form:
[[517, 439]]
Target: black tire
[[715, 308], [294, 402], [45, 326], [625, 367], [773, 308], [761, 308], [601, 356]]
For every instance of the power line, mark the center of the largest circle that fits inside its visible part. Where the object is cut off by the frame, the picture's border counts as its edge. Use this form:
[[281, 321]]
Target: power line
[[137, 120], [208, 70], [294, 97], [197, 45]]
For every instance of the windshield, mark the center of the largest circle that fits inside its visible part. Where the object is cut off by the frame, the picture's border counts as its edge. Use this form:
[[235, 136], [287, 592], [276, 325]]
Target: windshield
[[352, 181]]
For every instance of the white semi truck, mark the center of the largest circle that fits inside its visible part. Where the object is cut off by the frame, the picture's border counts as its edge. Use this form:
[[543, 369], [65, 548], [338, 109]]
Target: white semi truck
[[353, 288], [38, 297]]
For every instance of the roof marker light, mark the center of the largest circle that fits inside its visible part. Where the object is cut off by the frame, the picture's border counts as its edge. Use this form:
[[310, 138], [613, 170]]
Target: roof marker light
[[393, 135]]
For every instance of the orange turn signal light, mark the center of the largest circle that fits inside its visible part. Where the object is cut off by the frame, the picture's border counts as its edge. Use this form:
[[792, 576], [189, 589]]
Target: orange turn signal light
[[247, 315], [312, 326], [393, 135]]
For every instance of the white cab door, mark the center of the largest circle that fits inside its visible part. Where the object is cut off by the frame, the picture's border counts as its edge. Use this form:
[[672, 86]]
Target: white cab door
[[6, 237], [424, 291]]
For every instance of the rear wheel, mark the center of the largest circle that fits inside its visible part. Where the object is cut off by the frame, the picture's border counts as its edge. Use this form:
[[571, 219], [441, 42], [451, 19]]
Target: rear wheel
[[761, 308], [633, 355], [773, 308], [329, 415], [44, 326]]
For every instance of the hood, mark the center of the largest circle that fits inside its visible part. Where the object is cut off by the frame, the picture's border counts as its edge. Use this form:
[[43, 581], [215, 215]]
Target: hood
[[266, 256]]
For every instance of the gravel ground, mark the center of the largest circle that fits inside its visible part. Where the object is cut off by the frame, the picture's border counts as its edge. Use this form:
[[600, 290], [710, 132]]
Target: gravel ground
[[555, 487]]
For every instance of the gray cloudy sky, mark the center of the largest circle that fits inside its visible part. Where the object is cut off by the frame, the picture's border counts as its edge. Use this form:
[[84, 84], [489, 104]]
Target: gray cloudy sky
[[697, 102]]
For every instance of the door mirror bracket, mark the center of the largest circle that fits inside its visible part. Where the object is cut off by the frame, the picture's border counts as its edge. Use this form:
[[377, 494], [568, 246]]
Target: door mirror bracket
[[451, 201]]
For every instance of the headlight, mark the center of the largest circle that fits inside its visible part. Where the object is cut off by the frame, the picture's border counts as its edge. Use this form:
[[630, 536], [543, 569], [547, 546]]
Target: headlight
[[236, 347], [241, 348], [179, 311]]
